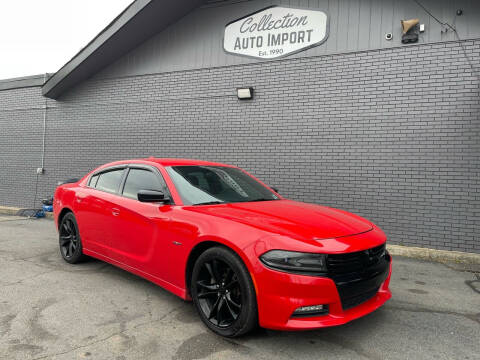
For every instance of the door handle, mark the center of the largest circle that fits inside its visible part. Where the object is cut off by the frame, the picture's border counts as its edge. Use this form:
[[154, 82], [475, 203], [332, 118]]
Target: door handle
[[115, 212]]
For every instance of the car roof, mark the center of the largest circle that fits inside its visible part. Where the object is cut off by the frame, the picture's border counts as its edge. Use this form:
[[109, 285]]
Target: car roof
[[176, 162], [166, 162]]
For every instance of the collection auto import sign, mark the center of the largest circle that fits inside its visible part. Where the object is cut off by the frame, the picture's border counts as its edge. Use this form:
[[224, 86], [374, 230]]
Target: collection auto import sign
[[275, 31]]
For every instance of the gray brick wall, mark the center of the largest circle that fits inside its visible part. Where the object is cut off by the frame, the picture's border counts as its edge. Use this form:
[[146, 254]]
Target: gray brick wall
[[21, 125], [392, 135]]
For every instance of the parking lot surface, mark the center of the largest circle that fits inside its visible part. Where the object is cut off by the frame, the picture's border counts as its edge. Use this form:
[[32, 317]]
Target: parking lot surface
[[52, 310]]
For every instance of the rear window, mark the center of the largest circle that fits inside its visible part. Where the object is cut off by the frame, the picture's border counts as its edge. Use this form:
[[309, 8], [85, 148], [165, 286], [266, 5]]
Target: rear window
[[109, 181], [93, 181]]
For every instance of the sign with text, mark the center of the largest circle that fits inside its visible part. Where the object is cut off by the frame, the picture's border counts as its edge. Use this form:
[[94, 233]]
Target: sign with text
[[275, 32]]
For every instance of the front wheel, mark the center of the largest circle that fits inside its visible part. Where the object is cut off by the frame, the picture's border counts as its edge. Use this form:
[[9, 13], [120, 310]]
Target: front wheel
[[69, 240], [223, 293]]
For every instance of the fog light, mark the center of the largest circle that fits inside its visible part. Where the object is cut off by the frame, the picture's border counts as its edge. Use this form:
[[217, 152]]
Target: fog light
[[312, 310]]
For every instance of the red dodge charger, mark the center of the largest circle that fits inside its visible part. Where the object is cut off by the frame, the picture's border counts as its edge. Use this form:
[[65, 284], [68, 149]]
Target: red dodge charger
[[214, 234]]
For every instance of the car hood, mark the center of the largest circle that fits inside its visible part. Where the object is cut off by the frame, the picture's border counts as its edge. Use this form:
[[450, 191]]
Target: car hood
[[291, 218]]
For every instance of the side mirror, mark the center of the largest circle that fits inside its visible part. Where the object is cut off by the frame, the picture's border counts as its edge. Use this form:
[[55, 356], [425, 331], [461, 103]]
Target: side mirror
[[274, 189], [152, 196]]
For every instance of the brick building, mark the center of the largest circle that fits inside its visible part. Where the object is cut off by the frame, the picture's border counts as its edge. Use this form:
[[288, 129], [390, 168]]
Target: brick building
[[356, 120]]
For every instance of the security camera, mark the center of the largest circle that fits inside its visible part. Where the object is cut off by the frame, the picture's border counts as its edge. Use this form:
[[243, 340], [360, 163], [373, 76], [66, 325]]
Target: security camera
[[388, 36]]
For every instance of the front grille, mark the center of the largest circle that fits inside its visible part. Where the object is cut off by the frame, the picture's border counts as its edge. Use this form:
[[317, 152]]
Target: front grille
[[348, 303], [358, 275], [354, 262]]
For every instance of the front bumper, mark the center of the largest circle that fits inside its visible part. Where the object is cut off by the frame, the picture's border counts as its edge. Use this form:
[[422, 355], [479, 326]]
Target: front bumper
[[280, 294]]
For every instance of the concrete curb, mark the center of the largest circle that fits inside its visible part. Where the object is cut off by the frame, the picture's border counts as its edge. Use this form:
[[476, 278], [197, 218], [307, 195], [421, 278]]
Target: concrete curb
[[6, 210], [442, 256]]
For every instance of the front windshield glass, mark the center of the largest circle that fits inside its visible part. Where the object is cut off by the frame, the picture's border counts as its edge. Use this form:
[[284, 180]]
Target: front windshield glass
[[200, 185]]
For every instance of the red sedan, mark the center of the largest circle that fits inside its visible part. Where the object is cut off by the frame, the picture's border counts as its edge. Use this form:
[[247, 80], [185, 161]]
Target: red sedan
[[214, 234]]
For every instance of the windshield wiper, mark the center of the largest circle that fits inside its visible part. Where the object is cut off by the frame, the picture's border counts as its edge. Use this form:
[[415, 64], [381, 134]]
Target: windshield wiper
[[209, 203], [262, 199]]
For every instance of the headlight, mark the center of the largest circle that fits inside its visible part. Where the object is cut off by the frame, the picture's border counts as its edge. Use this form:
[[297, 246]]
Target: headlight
[[295, 261]]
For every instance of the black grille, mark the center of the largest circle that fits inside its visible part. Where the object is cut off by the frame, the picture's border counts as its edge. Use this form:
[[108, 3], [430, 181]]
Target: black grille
[[358, 275], [354, 262], [353, 301]]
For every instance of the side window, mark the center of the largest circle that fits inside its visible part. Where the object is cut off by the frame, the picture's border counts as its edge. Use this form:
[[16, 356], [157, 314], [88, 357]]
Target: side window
[[93, 181], [109, 181], [140, 179]]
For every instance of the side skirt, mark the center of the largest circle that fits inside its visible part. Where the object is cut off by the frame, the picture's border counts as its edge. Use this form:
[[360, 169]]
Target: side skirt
[[162, 283]]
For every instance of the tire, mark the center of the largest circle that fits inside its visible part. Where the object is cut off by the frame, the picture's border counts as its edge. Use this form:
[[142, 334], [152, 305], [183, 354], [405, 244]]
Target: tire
[[223, 293], [69, 240]]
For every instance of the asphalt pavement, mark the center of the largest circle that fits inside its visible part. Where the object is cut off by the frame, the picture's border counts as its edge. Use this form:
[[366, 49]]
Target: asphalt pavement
[[52, 310]]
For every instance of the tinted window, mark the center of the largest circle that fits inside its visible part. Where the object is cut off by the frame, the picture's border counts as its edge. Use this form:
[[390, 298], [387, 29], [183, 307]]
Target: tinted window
[[140, 179], [206, 184], [109, 181]]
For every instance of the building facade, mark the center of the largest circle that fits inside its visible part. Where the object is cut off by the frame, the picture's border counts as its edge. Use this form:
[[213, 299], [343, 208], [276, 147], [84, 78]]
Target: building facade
[[387, 130]]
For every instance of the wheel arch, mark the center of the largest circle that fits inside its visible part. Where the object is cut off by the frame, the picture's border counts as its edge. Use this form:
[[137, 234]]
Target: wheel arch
[[63, 212]]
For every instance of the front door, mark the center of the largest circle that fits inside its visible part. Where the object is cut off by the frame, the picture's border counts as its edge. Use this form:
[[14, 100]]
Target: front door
[[140, 229]]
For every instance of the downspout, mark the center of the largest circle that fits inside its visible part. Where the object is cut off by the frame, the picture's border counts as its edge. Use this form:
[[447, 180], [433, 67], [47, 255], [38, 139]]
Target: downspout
[[41, 170], [44, 126]]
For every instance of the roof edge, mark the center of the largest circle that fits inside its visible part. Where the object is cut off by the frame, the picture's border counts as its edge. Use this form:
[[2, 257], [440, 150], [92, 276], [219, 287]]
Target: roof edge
[[125, 16], [23, 82]]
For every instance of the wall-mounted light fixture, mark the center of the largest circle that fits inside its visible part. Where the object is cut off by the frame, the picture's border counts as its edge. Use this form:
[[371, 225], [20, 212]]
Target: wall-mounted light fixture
[[245, 93]]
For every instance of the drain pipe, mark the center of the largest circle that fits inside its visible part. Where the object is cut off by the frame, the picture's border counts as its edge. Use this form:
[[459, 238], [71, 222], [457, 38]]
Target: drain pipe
[[44, 128], [41, 170]]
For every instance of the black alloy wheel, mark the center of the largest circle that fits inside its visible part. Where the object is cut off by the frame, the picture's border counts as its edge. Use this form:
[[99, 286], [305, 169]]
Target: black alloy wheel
[[219, 293], [69, 238], [223, 292]]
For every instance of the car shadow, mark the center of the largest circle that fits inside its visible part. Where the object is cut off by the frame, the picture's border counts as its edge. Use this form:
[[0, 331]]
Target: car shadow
[[340, 337]]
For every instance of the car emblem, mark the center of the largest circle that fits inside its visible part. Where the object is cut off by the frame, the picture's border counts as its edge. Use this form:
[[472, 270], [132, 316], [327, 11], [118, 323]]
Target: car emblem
[[369, 256]]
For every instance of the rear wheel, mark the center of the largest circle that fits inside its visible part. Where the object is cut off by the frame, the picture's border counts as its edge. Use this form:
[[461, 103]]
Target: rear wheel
[[223, 292], [69, 240]]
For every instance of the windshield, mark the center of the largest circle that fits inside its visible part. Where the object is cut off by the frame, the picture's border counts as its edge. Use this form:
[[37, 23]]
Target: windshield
[[201, 185]]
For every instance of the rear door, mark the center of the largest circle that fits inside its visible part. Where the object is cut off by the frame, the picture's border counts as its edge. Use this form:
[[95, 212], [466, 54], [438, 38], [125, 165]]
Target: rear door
[[141, 229], [95, 209]]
